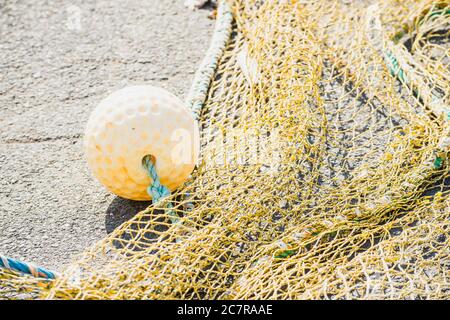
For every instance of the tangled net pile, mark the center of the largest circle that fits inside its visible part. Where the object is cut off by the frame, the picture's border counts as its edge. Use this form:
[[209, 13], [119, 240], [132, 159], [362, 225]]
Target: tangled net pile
[[324, 170]]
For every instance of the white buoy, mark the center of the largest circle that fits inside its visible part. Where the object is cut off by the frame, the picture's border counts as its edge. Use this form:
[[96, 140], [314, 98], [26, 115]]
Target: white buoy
[[134, 122]]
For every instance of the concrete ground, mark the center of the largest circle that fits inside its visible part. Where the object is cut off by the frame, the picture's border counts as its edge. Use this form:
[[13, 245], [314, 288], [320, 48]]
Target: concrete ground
[[58, 59]]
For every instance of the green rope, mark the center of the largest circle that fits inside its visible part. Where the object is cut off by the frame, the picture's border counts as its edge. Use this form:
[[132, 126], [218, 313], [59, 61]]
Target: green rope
[[156, 190], [393, 65], [397, 71], [206, 71]]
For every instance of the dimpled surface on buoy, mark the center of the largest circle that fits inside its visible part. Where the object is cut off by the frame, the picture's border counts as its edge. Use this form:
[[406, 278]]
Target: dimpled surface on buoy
[[134, 122]]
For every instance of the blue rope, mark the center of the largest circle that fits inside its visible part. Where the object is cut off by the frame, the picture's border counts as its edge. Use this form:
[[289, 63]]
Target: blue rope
[[26, 268], [156, 190]]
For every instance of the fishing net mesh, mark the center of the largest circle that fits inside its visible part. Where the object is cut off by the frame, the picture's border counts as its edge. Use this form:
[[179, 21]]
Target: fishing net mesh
[[324, 168]]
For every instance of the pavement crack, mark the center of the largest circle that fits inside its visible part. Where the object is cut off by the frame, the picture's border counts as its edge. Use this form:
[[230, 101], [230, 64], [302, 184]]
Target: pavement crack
[[26, 140]]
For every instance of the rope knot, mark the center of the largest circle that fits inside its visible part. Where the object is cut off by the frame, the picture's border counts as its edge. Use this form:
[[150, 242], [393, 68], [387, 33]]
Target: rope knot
[[156, 190]]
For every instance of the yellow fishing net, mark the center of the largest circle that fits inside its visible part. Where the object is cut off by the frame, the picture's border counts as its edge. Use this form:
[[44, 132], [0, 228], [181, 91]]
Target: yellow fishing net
[[324, 170]]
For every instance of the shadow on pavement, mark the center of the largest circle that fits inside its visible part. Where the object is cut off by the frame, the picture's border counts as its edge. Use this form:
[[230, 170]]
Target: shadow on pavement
[[121, 210]]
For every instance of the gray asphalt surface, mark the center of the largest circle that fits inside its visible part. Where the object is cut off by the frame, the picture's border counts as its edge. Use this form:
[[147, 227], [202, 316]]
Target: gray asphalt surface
[[58, 59]]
